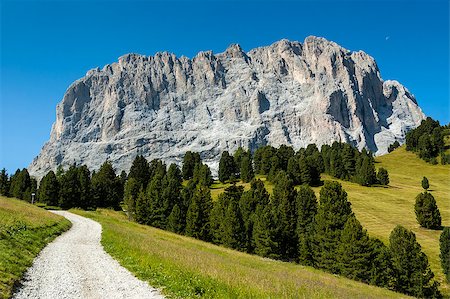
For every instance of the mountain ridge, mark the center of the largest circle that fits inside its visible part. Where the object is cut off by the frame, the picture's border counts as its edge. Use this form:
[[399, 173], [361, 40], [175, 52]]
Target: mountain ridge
[[286, 93]]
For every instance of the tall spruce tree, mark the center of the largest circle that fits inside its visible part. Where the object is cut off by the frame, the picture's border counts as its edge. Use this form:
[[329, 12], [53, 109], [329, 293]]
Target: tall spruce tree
[[21, 185], [444, 244], [354, 251], [157, 208], [49, 189], [190, 160], [233, 227], [197, 218], [85, 200], [227, 167], [175, 222], [413, 274], [246, 168], [140, 171], [332, 214], [70, 193], [142, 207], [4, 183], [131, 192], [306, 211], [202, 175], [264, 238], [285, 216], [366, 175], [382, 272], [427, 212], [106, 187]]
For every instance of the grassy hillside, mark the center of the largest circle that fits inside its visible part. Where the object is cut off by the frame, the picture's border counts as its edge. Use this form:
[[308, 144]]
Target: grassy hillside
[[380, 209], [188, 268], [24, 231]]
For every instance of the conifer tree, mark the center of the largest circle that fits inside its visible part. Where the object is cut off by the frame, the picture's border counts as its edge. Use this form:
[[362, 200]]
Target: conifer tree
[[354, 251], [197, 218], [285, 216], [84, 182], [227, 167], [293, 170], [349, 162], [233, 227], [4, 183], [189, 161], [140, 171], [332, 214], [49, 189], [383, 176], [366, 174], [106, 187], [425, 183], [131, 192], [246, 170], [142, 207], [157, 206], [306, 211], [305, 172], [427, 212], [69, 195], [175, 222], [264, 238], [444, 244], [21, 184], [413, 274], [202, 175], [381, 272]]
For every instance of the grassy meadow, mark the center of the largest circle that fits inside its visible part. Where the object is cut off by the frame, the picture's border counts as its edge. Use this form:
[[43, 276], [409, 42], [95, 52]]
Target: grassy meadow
[[24, 230], [184, 267], [380, 209]]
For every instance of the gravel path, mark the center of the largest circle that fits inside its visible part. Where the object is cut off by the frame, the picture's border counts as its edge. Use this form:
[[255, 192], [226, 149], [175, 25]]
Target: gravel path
[[75, 265]]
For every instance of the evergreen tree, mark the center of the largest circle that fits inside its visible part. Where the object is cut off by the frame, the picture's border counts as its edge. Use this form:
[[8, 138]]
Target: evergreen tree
[[174, 222], [249, 201], [239, 154], [285, 216], [227, 167], [131, 193], [393, 146], [197, 218], [425, 183], [383, 176], [233, 227], [140, 171], [264, 238], [106, 187], [202, 175], [348, 161], [157, 206], [444, 242], [427, 212], [332, 214], [381, 272], [189, 161], [171, 194], [49, 189], [414, 276], [354, 252], [85, 200], [366, 174], [69, 195], [293, 170], [4, 183], [246, 168], [305, 172], [21, 185], [142, 207], [306, 211]]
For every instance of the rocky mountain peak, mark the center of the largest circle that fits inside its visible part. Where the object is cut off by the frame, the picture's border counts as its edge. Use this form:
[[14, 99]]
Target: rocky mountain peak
[[289, 92]]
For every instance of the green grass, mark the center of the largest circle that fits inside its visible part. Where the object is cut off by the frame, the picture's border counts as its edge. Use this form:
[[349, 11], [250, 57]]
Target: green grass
[[187, 268], [24, 230], [380, 209]]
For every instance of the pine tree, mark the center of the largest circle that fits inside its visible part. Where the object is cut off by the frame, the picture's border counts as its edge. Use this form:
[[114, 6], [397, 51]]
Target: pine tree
[[171, 193], [354, 251], [20, 184], [305, 172], [348, 161], [444, 242], [197, 218], [293, 170], [85, 200], [285, 216], [189, 161], [249, 201], [264, 238], [131, 193], [69, 195], [156, 201], [246, 170], [175, 222], [383, 176], [233, 227], [142, 207], [4, 183], [49, 189], [227, 167], [306, 204], [414, 276], [332, 214], [366, 174], [202, 175], [381, 271], [427, 212], [106, 187], [140, 171], [425, 183]]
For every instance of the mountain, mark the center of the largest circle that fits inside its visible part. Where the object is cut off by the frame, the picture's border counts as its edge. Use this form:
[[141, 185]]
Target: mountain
[[287, 93]]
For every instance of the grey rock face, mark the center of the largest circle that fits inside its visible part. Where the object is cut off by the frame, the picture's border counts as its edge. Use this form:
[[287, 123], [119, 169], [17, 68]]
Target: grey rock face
[[287, 93]]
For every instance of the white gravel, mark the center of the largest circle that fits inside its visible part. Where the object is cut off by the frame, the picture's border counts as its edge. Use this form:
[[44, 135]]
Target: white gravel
[[75, 265]]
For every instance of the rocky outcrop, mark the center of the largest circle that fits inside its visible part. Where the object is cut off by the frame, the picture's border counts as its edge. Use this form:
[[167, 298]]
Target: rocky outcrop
[[287, 93]]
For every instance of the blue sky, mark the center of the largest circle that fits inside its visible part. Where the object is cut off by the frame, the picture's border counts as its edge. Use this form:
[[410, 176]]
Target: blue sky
[[46, 45]]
